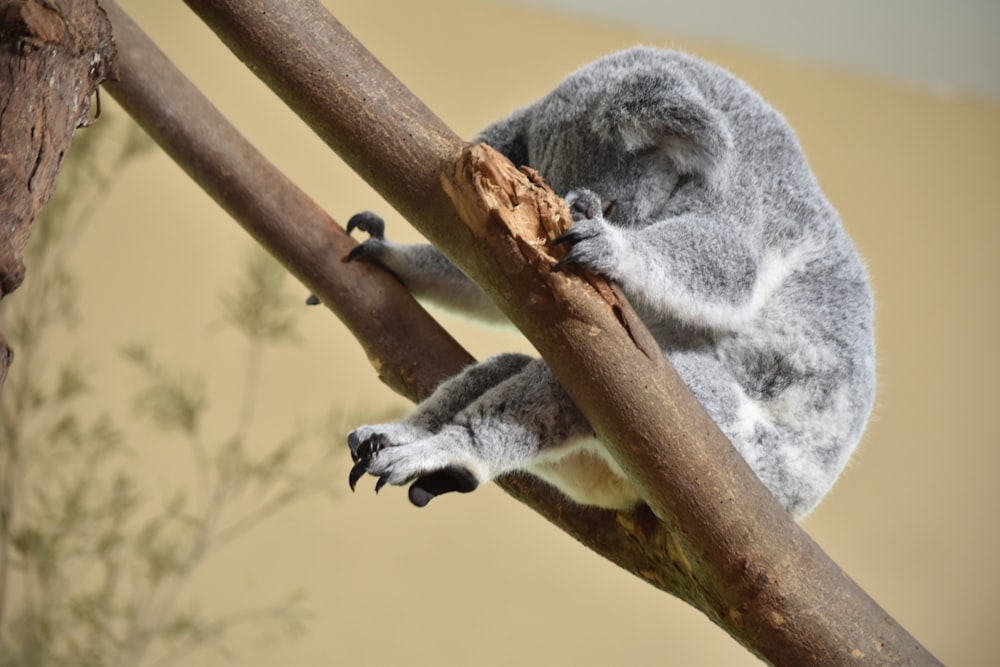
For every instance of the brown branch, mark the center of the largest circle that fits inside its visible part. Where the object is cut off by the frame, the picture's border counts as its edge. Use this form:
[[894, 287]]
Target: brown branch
[[53, 55], [721, 542], [280, 216]]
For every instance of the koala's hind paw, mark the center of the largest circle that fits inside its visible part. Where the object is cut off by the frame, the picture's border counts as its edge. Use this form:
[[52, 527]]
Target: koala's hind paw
[[397, 454], [374, 226]]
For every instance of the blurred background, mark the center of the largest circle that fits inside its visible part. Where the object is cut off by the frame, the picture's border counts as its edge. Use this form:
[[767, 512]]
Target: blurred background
[[898, 108]]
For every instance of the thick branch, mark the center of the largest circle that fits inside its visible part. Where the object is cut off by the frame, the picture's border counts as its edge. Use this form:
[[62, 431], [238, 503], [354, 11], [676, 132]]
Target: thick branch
[[53, 55], [722, 543]]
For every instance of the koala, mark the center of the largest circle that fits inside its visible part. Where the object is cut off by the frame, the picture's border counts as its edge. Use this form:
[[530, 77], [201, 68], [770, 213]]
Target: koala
[[693, 195]]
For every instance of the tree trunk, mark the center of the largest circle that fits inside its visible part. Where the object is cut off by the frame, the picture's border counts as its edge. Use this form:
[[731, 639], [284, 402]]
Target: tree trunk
[[53, 55], [711, 534]]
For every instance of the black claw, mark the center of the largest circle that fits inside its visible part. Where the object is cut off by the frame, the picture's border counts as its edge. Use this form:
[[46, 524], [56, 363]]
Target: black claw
[[382, 481], [372, 446], [569, 258], [312, 300], [353, 441], [357, 472], [574, 234], [357, 252], [569, 236], [368, 222]]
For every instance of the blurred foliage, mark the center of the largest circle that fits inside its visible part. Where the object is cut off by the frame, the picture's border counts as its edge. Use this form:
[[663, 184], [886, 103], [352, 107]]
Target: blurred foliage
[[90, 574]]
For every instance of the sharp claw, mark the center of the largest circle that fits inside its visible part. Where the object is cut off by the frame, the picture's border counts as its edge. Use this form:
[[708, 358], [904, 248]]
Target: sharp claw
[[368, 222], [356, 252], [356, 221], [565, 237], [372, 446], [357, 472], [382, 481], [312, 300], [561, 264]]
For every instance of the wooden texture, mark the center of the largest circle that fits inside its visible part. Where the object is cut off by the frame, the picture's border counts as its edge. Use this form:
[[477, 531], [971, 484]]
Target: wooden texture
[[53, 55]]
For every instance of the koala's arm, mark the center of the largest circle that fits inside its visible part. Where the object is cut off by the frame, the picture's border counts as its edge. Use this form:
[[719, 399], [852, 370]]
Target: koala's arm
[[428, 275], [691, 267]]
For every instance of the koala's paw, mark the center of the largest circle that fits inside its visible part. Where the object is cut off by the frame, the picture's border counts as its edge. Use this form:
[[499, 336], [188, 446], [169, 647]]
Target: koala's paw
[[399, 453], [593, 241], [374, 226]]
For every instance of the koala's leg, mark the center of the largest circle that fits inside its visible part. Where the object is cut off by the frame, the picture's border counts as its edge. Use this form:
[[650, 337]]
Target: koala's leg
[[492, 418], [792, 462], [459, 391]]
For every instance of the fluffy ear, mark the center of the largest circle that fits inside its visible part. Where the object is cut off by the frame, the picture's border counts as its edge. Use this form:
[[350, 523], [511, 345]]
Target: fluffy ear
[[509, 136], [654, 105]]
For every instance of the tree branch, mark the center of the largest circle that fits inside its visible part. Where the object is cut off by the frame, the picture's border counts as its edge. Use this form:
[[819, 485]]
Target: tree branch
[[715, 536], [280, 216]]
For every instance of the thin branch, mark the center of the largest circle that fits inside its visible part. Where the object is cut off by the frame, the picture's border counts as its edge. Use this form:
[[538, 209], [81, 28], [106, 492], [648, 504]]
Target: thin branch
[[716, 538], [280, 216]]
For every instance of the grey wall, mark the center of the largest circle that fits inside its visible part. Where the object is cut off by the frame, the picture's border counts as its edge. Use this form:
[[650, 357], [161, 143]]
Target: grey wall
[[945, 45]]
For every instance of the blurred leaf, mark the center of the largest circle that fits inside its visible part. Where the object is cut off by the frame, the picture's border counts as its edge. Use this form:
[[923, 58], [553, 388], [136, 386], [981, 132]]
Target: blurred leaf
[[173, 400], [71, 382], [97, 571], [260, 306]]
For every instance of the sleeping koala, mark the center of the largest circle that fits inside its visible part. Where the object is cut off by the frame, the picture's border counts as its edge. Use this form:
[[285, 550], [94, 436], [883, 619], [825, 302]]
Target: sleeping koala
[[693, 195]]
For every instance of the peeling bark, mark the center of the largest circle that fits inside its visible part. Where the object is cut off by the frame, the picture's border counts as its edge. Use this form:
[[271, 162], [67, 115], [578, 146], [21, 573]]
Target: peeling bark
[[53, 55]]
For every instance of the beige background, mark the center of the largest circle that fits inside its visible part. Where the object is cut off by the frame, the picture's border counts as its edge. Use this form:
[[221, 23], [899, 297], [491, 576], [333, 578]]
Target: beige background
[[479, 579]]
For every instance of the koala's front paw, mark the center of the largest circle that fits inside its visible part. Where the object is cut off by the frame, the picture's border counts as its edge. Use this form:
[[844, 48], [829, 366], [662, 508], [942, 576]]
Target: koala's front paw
[[594, 241], [374, 226], [399, 453]]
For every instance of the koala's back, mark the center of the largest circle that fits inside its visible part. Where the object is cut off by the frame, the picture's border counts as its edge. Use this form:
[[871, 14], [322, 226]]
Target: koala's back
[[804, 352]]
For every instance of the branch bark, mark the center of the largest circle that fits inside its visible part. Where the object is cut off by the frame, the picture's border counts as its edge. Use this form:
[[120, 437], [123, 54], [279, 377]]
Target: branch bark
[[713, 536], [53, 55]]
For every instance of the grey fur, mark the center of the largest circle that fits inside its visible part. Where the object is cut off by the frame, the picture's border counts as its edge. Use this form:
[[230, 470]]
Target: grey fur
[[719, 235]]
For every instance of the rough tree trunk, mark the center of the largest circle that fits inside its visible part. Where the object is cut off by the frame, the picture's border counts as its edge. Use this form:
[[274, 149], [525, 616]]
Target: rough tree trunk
[[53, 55]]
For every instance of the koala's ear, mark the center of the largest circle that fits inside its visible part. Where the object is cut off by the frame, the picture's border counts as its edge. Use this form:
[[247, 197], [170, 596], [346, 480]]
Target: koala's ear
[[509, 136], [653, 106]]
